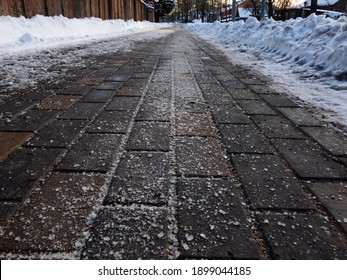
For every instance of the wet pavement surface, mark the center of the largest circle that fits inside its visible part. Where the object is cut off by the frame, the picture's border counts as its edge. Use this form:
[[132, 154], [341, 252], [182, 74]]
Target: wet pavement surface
[[169, 151]]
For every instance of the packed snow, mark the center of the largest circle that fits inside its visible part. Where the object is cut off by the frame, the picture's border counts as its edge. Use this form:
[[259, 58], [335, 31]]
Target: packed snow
[[306, 57]]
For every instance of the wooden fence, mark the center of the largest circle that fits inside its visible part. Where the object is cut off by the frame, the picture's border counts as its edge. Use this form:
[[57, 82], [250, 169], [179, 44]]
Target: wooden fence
[[105, 9]]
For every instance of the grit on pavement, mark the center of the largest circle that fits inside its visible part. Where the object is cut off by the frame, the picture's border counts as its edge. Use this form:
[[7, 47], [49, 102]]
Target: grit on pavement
[[168, 150]]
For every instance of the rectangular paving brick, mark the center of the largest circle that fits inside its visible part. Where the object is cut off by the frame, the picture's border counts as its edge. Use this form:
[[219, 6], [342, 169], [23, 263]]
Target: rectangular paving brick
[[218, 98], [21, 168], [198, 156], [55, 217], [212, 88], [261, 89], [13, 108], [118, 77], [256, 107], [278, 100], [277, 127], [36, 94], [9, 141], [98, 96], [308, 160], [159, 90], [149, 136], [141, 177], [302, 237], [229, 114], [243, 139], [331, 140], [75, 90], [6, 211], [130, 234], [121, 103], [92, 152], [188, 124], [59, 134], [333, 195], [82, 111], [155, 110], [300, 116], [243, 94], [269, 184], [111, 122], [58, 102], [31, 121], [212, 222], [128, 90], [112, 86], [136, 81]]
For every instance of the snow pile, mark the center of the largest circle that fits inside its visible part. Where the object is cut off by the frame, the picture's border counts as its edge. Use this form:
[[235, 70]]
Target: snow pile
[[314, 44], [39, 32]]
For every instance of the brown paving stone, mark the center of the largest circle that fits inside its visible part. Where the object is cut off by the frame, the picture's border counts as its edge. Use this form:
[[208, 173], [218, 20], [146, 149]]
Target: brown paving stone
[[9, 141], [244, 139], [198, 156], [111, 122], [141, 177], [331, 140], [188, 124], [333, 195], [308, 160], [269, 184], [58, 102], [212, 222], [129, 234], [149, 136], [55, 216], [92, 152], [302, 237]]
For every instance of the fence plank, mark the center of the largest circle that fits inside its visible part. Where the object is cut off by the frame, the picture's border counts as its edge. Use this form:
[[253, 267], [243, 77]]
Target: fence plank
[[34, 7], [54, 7]]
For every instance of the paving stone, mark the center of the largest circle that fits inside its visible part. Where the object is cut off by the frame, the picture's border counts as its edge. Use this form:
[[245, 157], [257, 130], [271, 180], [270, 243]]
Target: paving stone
[[218, 98], [141, 177], [12, 108], [302, 237], [252, 81], [111, 122], [98, 96], [89, 81], [149, 136], [136, 82], [130, 91], [6, 211], [109, 86], [155, 110], [231, 85], [212, 223], [190, 105], [59, 133], [197, 156], [269, 184], [75, 90], [243, 94], [9, 141], [333, 195], [334, 142], [93, 152], [277, 127], [36, 94], [55, 216], [243, 139], [277, 100], [159, 90], [261, 89], [212, 88], [300, 116], [188, 124], [58, 102], [118, 77], [130, 234], [82, 111], [308, 160], [31, 121], [256, 107], [228, 113], [21, 168], [122, 103]]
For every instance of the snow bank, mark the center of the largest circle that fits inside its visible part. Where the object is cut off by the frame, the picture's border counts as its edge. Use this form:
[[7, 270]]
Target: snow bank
[[314, 43], [39, 32]]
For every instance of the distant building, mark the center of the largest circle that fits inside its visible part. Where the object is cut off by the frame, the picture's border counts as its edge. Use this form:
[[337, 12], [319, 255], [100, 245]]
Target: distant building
[[242, 12]]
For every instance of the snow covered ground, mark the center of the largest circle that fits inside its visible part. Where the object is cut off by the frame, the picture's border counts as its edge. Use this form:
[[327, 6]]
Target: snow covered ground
[[306, 58]]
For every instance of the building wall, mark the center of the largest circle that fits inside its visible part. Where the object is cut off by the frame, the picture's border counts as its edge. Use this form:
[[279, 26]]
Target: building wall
[[105, 9]]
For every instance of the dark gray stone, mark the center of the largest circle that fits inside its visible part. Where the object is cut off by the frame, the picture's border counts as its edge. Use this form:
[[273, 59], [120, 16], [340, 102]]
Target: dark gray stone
[[302, 237], [111, 122], [229, 114], [92, 152], [261, 89], [155, 110], [130, 91], [149, 136], [189, 124], [240, 94], [197, 156], [82, 111], [122, 103], [58, 134], [113, 86], [256, 107], [269, 184], [212, 222], [136, 82], [130, 234], [308, 160], [300, 116], [75, 90], [251, 81], [277, 100], [243, 139], [277, 127], [218, 98], [7, 209], [141, 177], [98, 96]]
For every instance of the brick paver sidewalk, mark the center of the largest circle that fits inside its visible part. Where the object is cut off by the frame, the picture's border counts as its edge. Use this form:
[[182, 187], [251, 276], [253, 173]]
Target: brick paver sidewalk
[[169, 151]]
